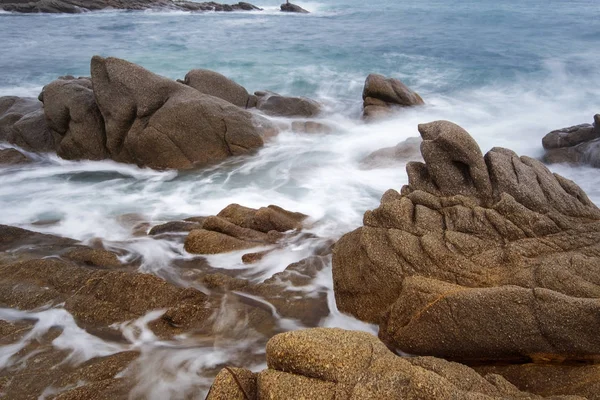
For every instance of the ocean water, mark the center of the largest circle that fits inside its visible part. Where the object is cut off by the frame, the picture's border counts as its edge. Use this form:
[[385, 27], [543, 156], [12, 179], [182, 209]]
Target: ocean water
[[507, 71]]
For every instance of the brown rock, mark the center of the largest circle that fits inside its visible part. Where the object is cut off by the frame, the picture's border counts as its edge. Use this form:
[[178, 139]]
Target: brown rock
[[13, 157], [577, 145], [22, 122], [407, 150], [478, 257], [174, 227], [215, 84], [381, 95], [265, 219], [202, 241], [281, 106], [233, 384], [310, 127]]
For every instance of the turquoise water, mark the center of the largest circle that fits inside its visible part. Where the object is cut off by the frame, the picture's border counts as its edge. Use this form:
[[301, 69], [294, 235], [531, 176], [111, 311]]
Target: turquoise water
[[507, 71]]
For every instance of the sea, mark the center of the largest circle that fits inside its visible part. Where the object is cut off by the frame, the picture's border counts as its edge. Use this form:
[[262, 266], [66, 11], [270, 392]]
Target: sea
[[508, 71]]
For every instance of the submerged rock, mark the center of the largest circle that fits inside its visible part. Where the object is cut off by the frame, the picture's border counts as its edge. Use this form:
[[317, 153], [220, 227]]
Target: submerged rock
[[289, 7], [407, 150], [478, 258], [381, 96], [325, 363], [577, 145]]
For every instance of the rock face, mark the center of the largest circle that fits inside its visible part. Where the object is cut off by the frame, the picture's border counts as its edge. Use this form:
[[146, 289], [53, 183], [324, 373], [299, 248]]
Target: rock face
[[22, 122], [239, 228], [381, 96], [325, 363], [215, 84], [78, 6], [289, 7], [578, 144], [478, 258], [280, 106]]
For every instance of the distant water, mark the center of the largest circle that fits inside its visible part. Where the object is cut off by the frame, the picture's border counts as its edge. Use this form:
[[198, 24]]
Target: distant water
[[507, 71]]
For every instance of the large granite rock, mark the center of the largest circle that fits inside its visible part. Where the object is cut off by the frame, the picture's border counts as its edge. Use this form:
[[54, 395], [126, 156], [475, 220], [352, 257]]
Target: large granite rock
[[382, 96], [333, 363], [22, 122], [215, 84], [478, 258], [78, 6], [577, 145]]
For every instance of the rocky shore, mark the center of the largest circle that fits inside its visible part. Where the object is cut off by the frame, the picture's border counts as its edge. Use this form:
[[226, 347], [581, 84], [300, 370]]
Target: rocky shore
[[481, 273]]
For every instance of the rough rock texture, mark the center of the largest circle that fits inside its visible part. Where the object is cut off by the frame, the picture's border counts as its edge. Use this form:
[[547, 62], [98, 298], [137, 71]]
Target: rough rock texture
[[407, 150], [215, 84], [578, 145], [478, 258], [22, 122], [12, 157], [74, 119], [281, 106], [289, 7], [156, 122], [238, 228], [325, 363], [381, 96], [78, 6], [233, 384]]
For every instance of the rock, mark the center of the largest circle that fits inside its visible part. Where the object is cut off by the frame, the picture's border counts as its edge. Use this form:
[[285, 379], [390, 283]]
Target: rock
[[478, 258], [215, 84], [576, 145], [238, 228], [289, 7], [233, 384], [175, 227], [74, 119], [382, 95], [78, 6], [310, 127], [323, 363], [155, 122], [407, 150], [22, 122], [13, 157], [280, 106]]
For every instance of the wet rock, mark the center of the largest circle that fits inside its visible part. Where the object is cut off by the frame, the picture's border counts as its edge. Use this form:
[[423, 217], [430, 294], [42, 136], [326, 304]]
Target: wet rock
[[325, 363], [477, 258], [13, 157], [264, 219], [310, 127], [215, 84], [202, 241], [78, 6], [74, 119], [233, 384], [578, 145], [281, 106], [407, 150], [175, 227], [289, 7], [22, 122], [382, 96], [164, 124]]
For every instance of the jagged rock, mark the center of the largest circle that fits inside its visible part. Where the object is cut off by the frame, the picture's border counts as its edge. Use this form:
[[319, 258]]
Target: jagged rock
[[325, 363], [78, 6], [22, 122], [577, 145], [289, 7], [13, 157], [74, 119], [281, 106], [215, 84], [238, 228], [156, 122], [487, 258], [381, 96], [407, 150]]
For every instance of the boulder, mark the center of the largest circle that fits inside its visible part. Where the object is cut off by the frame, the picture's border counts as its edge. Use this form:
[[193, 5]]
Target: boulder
[[13, 157], [289, 7], [382, 96], [22, 122], [156, 122], [578, 145], [407, 150], [312, 127], [239, 228], [477, 258], [215, 84], [323, 363], [281, 106], [74, 119]]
